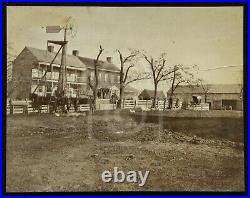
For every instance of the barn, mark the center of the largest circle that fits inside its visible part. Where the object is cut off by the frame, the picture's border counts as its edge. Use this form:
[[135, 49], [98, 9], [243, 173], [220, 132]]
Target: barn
[[147, 94], [218, 96]]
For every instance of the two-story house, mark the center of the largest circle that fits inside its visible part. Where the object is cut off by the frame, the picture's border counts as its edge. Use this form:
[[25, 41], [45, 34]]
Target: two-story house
[[31, 65]]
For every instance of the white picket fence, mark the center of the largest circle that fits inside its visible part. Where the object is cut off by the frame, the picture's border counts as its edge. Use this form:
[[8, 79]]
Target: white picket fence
[[28, 109], [83, 107], [129, 104], [161, 105], [200, 107], [104, 104], [144, 104]]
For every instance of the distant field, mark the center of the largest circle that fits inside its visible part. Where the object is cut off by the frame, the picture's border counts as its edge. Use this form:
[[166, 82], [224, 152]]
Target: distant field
[[49, 153], [208, 124]]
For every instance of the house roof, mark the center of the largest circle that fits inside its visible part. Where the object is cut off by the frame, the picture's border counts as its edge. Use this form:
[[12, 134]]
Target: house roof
[[43, 55], [102, 64], [130, 89], [46, 56], [147, 93], [212, 88]]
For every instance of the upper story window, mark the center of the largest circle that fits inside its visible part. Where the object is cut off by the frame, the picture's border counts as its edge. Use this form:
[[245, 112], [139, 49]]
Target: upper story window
[[92, 74], [111, 78], [106, 77], [118, 78], [100, 76], [36, 73]]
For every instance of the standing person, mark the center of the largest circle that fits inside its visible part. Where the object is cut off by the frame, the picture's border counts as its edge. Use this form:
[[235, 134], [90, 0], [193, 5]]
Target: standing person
[[91, 104], [68, 104], [177, 103], [76, 104], [170, 102]]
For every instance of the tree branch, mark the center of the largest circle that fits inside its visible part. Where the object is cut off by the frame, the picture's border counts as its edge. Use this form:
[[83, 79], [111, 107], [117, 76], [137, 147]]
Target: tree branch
[[126, 74], [146, 58], [161, 68], [129, 57], [120, 54], [137, 79]]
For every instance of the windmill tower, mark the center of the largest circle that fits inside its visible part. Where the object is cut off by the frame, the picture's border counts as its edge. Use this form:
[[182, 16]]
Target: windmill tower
[[67, 29]]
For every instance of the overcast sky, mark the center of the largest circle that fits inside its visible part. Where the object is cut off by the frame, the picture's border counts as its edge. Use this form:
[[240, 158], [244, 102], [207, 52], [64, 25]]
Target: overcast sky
[[207, 37]]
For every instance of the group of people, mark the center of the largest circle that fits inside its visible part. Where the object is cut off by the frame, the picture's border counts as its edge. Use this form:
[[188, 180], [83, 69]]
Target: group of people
[[56, 104]]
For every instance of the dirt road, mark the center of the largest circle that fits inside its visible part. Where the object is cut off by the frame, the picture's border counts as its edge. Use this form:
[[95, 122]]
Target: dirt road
[[49, 153]]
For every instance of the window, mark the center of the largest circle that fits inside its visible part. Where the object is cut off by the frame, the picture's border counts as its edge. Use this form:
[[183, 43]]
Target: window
[[92, 76], [49, 87], [100, 76], [35, 73], [40, 88], [106, 77], [111, 78]]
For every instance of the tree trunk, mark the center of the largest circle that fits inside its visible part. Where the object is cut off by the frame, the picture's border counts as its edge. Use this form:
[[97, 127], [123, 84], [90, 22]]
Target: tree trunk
[[121, 86], [155, 95], [170, 102], [121, 95], [94, 99]]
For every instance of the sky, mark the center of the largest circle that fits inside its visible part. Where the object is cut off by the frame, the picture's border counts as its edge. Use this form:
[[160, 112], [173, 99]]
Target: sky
[[208, 37]]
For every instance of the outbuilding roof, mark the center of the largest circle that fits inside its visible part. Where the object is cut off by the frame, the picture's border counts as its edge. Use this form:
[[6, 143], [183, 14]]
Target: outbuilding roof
[[147, 94], [212, 88]]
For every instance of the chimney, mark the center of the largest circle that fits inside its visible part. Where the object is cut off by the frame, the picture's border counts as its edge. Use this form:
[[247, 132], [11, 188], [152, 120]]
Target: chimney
[[50, 48], [109, 59], [75, 52]]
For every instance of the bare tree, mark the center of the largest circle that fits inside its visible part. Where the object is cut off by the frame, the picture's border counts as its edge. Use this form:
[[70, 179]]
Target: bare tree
[[205, 87], [181, 75], [11, 56], [94, 83], [126, 64], [159, 72]]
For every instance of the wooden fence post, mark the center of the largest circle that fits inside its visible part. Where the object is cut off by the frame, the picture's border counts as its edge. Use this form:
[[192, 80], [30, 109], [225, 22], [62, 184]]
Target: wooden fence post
[[25, 109], [11, 109]]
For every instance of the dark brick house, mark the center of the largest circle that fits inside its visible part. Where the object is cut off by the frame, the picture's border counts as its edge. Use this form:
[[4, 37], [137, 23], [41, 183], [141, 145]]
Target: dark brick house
[[31, 64]]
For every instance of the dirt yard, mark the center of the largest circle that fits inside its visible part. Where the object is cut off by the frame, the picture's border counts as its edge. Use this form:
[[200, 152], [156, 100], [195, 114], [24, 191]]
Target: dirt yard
[[49, 153]]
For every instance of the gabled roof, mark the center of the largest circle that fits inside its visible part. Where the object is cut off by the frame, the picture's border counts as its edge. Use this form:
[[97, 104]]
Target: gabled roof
[[130, 89], [212, 88], [101, 64], [46, 56], [75, 61], [147, 93]]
